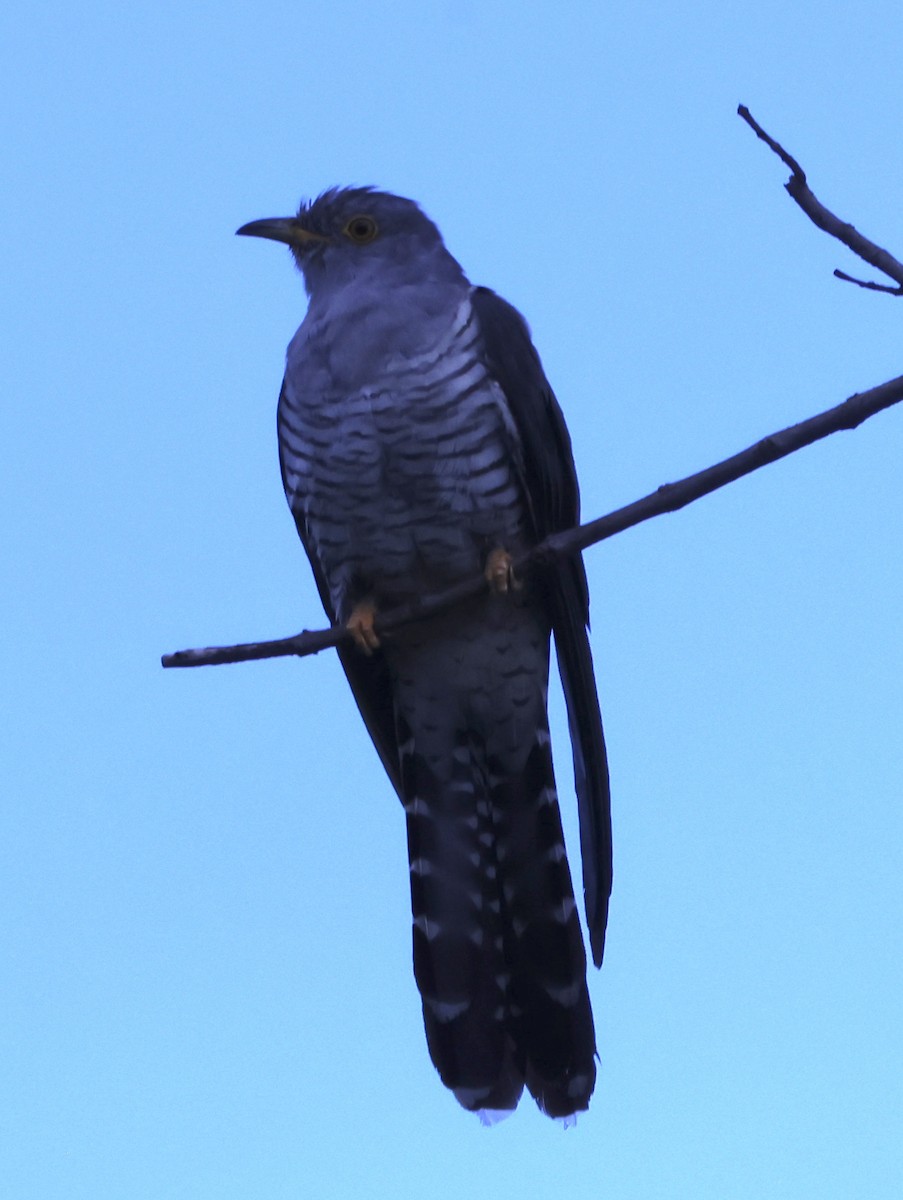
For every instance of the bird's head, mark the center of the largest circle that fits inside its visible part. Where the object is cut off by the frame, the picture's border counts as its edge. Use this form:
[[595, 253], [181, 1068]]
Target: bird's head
[[350, 234]]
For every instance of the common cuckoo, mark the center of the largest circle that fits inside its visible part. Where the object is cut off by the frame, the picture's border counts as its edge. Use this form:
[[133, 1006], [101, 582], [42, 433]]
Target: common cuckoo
[[421, 444]]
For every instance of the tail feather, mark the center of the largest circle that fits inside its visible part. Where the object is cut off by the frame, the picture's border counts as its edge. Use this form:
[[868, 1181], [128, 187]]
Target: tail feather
[[551, 1015], [458, 942], [498, 952]]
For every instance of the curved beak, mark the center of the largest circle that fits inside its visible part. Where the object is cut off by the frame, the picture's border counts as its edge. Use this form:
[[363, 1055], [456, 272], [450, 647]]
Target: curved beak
[[281, 229]]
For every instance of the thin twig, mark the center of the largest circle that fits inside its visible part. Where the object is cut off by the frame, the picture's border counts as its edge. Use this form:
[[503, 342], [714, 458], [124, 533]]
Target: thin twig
[[800, 191], [668, 498], [769, 141], [868, 284]]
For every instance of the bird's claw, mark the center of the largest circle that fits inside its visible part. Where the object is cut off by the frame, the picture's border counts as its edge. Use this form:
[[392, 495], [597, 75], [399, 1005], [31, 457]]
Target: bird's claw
[[362, 626], [499, 572]]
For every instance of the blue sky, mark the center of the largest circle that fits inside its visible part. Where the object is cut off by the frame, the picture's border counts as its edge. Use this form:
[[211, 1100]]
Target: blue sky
[[207, 984]]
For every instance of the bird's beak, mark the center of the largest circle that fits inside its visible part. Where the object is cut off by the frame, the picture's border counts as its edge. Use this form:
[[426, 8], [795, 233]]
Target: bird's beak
[[281, 229]]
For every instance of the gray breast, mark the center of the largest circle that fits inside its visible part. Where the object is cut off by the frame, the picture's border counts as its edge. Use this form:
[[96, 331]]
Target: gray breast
[[406, 477]]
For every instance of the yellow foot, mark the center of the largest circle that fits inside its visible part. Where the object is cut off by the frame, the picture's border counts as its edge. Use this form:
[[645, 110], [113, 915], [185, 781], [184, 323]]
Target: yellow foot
[[362, 628], [499, 572]]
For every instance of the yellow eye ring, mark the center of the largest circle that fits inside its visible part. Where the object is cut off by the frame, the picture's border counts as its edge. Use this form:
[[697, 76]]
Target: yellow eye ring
[[361, 229]]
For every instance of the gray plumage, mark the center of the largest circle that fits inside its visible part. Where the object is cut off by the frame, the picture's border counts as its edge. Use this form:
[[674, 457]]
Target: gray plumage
[[418, 436]]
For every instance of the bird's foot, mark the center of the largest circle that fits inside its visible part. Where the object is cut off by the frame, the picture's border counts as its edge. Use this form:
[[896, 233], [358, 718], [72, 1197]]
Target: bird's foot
[[499, 572], [362, 626]]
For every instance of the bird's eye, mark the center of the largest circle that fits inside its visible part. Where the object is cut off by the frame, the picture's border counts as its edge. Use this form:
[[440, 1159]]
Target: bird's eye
[[361, 229]]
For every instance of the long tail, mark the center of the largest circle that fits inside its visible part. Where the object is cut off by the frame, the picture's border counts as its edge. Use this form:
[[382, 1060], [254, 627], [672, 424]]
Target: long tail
[[498, 951]]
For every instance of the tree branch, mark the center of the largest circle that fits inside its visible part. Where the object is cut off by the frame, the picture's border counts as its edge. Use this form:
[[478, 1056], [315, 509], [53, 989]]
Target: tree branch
[[800, 191], [667, 498]]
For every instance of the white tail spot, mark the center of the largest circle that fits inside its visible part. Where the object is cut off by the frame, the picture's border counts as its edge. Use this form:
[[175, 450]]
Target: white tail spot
[[429, 929], [563, 911], [492, 1116], [416, 807], [446, 1010], [566, 996]]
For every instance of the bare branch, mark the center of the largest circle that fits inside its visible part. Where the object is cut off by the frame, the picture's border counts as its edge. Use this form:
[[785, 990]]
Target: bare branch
[[667, 498], [779, 150], [800, 191], [867, 283]]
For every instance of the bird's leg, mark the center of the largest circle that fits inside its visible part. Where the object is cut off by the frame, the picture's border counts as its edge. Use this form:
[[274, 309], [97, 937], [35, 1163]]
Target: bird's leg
[[361, 626], [499, 572]]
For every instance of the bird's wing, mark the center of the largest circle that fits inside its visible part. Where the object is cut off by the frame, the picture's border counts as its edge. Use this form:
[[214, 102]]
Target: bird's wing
[[368, 676], [550, 484]]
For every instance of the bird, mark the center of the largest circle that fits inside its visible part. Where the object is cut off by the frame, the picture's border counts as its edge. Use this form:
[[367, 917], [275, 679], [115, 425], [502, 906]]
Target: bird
[[421, 444]]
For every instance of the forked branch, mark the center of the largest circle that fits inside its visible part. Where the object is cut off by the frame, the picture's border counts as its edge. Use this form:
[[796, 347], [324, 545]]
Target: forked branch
[[798, 187]]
